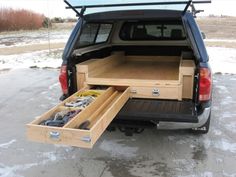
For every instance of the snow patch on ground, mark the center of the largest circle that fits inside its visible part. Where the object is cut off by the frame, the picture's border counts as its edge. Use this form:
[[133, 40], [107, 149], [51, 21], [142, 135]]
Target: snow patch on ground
[[12, 171], [222, 88], [229, 175], [40, 59], [219, 160], [6, 145], [219, 40], [116, 149], [222, 59], [53, 86], [217, 132], [207, 143], [33, 37], [225, 145], [187, 164], [207, 174], [203, 174], [227, 115], [221, 144], [227, 100], [231, 127], [51, 156]]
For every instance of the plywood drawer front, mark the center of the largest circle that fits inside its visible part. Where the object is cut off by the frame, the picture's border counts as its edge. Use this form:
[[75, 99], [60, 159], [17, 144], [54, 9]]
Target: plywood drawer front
[[99, 113], [55, 135], [161, 92]]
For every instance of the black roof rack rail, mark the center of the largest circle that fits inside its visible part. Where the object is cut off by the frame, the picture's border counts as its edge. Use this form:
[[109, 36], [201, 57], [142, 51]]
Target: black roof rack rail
[[84, 7]]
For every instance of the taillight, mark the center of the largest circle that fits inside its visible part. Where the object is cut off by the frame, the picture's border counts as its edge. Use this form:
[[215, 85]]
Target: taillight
[[63, 79], [205, 84]]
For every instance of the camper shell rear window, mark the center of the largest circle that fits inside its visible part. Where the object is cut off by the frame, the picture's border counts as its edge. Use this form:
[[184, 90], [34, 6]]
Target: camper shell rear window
[[94, 33], [152, 30]]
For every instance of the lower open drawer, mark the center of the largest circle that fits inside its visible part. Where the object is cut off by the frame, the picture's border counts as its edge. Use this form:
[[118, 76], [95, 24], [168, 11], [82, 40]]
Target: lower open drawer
[[84, 129]]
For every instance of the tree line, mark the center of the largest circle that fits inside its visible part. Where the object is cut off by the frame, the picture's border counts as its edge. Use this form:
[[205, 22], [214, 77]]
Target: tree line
[[21, 19]]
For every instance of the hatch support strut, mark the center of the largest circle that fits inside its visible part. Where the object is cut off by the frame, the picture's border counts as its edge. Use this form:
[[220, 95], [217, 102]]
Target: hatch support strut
[[193, 10], [78, 14], [187, 6]]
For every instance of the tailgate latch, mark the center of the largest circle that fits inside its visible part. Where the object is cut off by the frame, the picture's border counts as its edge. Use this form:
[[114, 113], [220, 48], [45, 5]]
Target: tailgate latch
[[155, 92]]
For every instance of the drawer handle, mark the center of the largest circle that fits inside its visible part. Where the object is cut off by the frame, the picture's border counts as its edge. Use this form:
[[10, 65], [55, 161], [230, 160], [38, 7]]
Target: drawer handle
[[54, 135], [86, 139], [155, 92]]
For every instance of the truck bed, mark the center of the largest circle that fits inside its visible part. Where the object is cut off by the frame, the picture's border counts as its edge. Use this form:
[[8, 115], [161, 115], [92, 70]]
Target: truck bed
[[158, 110]]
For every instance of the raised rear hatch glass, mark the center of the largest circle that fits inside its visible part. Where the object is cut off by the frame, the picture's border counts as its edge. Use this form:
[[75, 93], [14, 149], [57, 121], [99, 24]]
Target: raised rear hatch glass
[[93, 6]]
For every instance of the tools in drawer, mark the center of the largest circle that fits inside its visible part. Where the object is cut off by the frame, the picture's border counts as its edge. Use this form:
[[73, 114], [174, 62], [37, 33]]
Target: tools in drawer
[[80, 102], [71, 108], [92, 93], [60, 118]]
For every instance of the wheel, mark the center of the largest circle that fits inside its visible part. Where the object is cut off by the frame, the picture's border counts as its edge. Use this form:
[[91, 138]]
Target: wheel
[[203, 129]]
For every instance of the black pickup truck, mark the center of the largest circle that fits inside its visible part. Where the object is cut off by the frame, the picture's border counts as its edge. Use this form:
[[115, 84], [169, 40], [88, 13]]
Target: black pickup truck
[[158, 42]]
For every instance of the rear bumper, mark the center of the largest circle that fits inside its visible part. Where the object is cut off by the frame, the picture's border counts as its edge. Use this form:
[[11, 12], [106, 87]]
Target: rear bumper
[[202, 119]]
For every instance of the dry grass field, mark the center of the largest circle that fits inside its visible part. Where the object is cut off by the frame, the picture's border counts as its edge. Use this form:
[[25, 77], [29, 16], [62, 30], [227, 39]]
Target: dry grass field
[[220, 31], [218, 27]]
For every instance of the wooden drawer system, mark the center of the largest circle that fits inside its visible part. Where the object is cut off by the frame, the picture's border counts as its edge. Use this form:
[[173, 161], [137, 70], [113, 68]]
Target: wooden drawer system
[[171, 76], [155, 78], [99, 114]]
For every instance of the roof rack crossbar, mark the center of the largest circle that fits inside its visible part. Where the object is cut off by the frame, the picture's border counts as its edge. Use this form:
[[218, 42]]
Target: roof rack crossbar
[[202, 2]]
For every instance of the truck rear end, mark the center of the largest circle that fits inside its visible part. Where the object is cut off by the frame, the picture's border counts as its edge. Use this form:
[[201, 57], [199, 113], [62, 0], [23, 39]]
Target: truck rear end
[[159, 54], [129, 69]]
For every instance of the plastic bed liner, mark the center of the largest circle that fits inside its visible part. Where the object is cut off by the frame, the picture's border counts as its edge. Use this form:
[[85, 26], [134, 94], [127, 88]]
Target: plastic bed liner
[[158, 110]]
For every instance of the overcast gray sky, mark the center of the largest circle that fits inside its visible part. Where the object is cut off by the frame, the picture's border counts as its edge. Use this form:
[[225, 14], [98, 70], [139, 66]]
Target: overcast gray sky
[[56, 8]]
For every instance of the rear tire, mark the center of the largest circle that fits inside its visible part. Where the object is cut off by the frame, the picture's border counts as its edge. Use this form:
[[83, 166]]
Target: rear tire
[[203, 129]]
